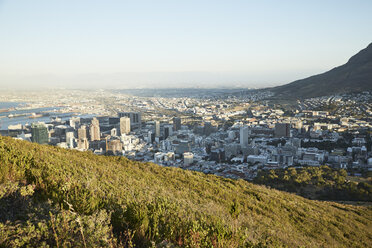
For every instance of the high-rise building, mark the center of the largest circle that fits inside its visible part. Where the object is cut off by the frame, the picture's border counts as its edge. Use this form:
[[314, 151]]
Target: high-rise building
[[60, 132], [168, 131], [70, 137], [217, 155], [157, 129], [103, 120], [282, 130], [188, 158], [135, 118], [231, 150], [74, 122], [244, 135], [95, 133], [39, 133], [82, 132], [114, 120], [124, 125], [176, 123], [150, 137], [158, 157], [183, 146]]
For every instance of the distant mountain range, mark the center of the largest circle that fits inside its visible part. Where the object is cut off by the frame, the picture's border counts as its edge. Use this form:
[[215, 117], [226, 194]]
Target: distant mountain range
[[354, 76]]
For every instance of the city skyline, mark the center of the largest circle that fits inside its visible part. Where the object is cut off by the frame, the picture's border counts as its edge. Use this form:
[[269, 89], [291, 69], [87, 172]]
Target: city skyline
[[122, 44]]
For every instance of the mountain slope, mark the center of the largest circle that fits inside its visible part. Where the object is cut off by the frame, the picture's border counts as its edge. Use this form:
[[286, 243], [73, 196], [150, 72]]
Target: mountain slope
[[354, 76], [59, 197]]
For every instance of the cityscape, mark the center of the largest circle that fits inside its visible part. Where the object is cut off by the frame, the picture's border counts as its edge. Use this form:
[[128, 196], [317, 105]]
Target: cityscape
[[226, 134], [186, 124]]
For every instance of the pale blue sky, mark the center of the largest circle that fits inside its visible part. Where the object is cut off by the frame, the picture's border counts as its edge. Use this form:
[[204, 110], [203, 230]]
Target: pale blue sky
[[177, 43]]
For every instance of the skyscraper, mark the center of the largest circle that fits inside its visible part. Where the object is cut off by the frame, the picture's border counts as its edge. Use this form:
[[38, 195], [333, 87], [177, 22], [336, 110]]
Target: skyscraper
[[82, 132], [74, 122], [244, 135], [114, 120], [188, 158], [282, 130], [94, 130], [176, 123], [150, 137], [70, 137], [183, 146], [124, 125], [135, 118], [157, 129], [39, 133], [168, 131]]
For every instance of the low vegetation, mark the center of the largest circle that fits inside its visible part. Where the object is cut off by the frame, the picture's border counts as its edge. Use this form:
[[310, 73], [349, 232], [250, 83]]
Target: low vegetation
[[323, 183], [51, 197]]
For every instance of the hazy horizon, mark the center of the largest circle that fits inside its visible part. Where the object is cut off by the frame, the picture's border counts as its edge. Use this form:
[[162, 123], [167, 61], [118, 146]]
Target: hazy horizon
[[168, 44]]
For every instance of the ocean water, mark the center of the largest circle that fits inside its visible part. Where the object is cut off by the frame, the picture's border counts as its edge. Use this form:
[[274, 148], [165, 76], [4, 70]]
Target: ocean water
[[5, 121], [6, 105], [30, 111]]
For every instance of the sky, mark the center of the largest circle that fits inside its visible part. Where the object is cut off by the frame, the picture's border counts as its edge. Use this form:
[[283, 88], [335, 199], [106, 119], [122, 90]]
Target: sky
[[174, 43]]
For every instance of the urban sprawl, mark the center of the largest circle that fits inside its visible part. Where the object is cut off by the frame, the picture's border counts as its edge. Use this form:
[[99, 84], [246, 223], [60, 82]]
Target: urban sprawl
[[228, 134]]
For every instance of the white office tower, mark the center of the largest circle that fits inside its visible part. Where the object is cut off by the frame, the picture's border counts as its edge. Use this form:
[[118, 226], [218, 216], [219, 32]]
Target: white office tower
[[188, 158], [244, 135], [124, 125], [70, 139], [75, 122], [149, 137], [157, 129]]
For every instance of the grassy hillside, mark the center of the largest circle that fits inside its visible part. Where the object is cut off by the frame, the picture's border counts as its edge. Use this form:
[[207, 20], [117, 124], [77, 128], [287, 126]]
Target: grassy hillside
[[55, 197]]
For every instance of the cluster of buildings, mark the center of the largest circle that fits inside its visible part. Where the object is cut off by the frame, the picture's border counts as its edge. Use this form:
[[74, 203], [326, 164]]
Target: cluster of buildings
[[231, 134], [264, 140]]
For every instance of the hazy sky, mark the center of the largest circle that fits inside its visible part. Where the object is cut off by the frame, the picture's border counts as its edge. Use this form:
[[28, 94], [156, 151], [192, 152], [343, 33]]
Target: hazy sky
[[129, 44]]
